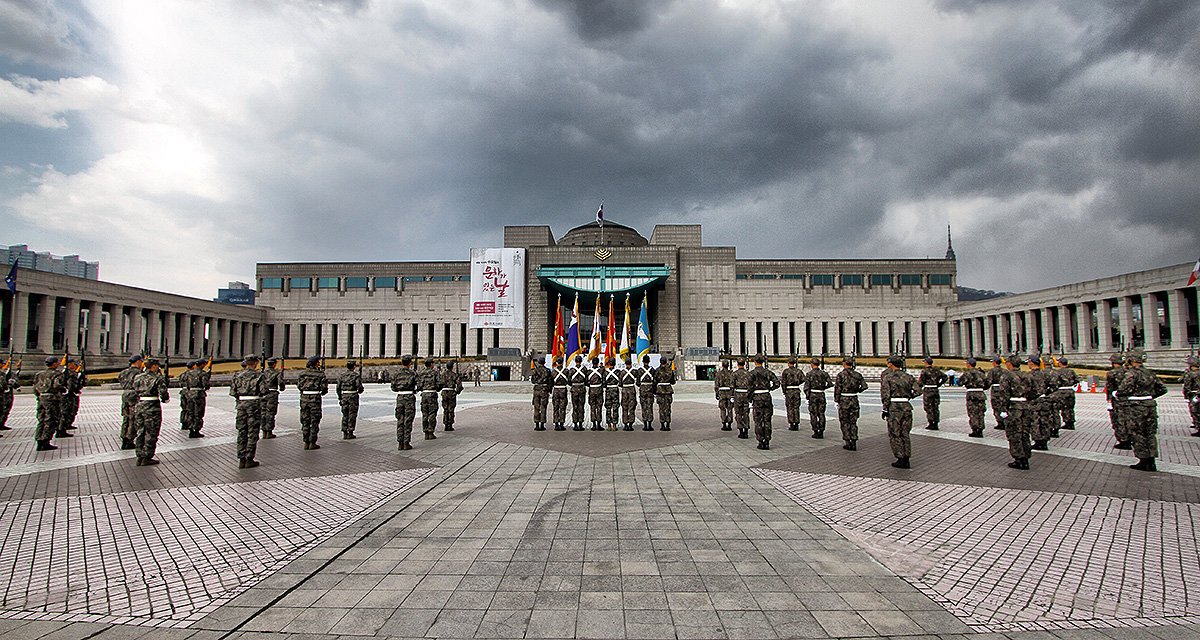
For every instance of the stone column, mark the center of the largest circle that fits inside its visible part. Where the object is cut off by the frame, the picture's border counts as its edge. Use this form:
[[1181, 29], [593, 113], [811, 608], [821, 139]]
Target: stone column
[[1047, 330], [1003, 333], [934, 337], [137, 325], [1029, 322], [45, 320], [169, 331], [71, 327], [1177, 315], [1125, 317], [93, 328], [19, 326], [1150, 327], [1104, 326], [116, 328], [1083, 329], [1064, 327], [197, 346]]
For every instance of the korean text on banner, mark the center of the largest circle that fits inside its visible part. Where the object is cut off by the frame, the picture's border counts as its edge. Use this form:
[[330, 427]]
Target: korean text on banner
[[497, 289]]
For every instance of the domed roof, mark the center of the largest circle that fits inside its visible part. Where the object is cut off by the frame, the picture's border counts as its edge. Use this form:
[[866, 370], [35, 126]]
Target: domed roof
[[615, 235]]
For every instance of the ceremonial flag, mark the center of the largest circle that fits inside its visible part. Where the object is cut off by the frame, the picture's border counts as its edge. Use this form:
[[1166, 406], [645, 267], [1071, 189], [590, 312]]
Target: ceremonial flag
[[573, 332], [643, 331], [556, 347], [594, 345], [610, 337], [10, 280], [625, 330], [600, 214], [1191, 280]]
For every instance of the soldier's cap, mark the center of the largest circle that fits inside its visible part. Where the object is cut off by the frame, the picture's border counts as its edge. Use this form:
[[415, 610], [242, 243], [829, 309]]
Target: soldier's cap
[[1063, 361], [350, 364], [1137, 355], [52, 359], [406, 359], [595, 360], [151, 362], [612, 362], [897, 360], [558, 358], [928, 359], [741, 362], [1035, 359], [759, 360], [848, 360], [272, 360], [791, 361], [135, 358], [646, 359], [726, 363], [1116, 358], [429, 363], [997, 359], [312, 361], [578, 358], [1016, 360], [971, 361], [816, 361]]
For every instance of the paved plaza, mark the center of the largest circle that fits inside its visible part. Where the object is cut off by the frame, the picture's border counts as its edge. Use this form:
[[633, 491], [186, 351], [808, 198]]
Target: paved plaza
[[495, 531]]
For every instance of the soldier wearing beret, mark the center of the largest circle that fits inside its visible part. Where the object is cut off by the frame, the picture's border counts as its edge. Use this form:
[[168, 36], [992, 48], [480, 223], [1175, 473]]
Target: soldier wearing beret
[[816, 384], [846, 387], [664, 380], [49, 385], [792, 380], [349, 385], [128, 399], [1065, 381], [270, 401], [762, 382], [741, 399], [976, 384], [896, 390], [1112, 380], [1139, 389], [247, 388], [723, 390], [542, 380], [404, 383], [1191, 391], [151, 389], [994, 376], [313, 385], [931, 380], [1015, 412]]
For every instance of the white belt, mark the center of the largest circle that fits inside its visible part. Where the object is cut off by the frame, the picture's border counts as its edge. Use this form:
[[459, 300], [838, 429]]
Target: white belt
[[901, 399], [1016, 399], [628, 386], [976, 390], [248, 397], [595, 386], [742, 390], [156, 398], [931, 386], [405, 393], [666, 384], [849, 394], [792, 387], [724, 388], [817, 390], [1139, 398], [762, 391], [310, 393], [1065, 388]]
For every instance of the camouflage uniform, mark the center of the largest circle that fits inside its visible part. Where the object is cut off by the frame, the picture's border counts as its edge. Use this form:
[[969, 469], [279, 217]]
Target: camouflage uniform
[[1013, 398], [994, 376], [896, 390], [792, 380], [1112, 380], [559, 390], [1139, 388], [628, 397], [542, 380], [612, 398], [49, 385], [1191, 392], [815, 384], [404, 383], [578, 377], [128, 401], [151, 390], [429, 383], [931, 379], [8, 386], [451, 386], [846, 387], [595, 396], [664, 379], [1064, 396], [1041, 409], [723, 389], [248, 386], [75, 382], [976, 384], [349, 385], [193, 396], [646, 394], [762, 382], [312, 385], [270, 401], [741, 400]]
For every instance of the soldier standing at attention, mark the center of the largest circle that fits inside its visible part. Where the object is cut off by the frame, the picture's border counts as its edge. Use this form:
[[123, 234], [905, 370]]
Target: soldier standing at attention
[[542, 381], [1013, 397], [846, 387], [815, 385], [49, 385], [664, 379], [1191, 391], [896, 390], [645, 375], [451, 386], [723, 388], [185, 399], [1040, 407], [612, 395], [193, 395], [312, 385], [579, 380], [976, 384], [128, 399], [75, 380], [275, 386], [741, 399], [595, 394], [763, 381], [404, 383], [349, 385], [429, 383], [8, 387], [1064, 397], [1112, 380], [628, 394], [994, 376], [151, 388], [792, 380], [559, 391], [1139, 388], [931, 379], [247, 388]]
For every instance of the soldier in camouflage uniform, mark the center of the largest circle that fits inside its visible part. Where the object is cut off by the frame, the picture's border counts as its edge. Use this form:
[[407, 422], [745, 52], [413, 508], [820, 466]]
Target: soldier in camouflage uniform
[[451, 386], [762, 382], [628, 394], [248, 387], [723, 389], [816, 382], [76, 380], [579, 379], [193, 396], [896, 390], [846, 387], [1112, 380], [429, 384], [1013, 397], [1065, 379], [612, 395], [559, 391], [312, 385], [976, 384], [792, 380], [1139, 389], [185, 399], [646, 382], [49, 385], [931, 379], [664, 381], [542, 381], [595, 394], [275, 386], [1041, 407], [1191, 391], [994, 376], [9, 383], [741, 399], [349, 385], [151, 388], [128, 399], [404, 383]]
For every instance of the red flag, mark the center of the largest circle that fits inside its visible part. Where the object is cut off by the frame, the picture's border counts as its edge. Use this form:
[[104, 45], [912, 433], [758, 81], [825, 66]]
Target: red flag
[[1195, 274], [610, 338], [557, 347]]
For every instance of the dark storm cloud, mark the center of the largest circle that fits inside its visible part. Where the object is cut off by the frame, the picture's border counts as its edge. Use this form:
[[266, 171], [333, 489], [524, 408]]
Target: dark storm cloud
[[598, 19]]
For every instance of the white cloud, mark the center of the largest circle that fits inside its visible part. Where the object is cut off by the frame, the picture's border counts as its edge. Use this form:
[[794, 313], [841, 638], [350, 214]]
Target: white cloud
[[44, 103]]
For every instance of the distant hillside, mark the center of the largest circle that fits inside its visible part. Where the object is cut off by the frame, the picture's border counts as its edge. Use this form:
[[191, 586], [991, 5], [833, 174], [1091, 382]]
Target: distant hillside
[[967, 294]]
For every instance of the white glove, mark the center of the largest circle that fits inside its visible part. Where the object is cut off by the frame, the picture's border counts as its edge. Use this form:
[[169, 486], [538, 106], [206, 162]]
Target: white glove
[[1003, 414], [1195, 399], [1110, 406]]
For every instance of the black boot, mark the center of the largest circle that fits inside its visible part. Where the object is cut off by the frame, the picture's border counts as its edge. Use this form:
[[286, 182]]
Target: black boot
[[793, 427], [629, 426], [1123, 445], [901, 463], [766, 444], [646, 427], [931, 426], [759, 445], [126, 444], [195, 434], [241, 463], [1040, 445], [62, 433], [250, 464], [448, 427], [725, 427], [819, 435], [1015, 464], [44, 445], [975, 434], [851, 445], [1144, 464], [666, 426], [1024, 464], [1069, 427], [560, 427], [744, 434]]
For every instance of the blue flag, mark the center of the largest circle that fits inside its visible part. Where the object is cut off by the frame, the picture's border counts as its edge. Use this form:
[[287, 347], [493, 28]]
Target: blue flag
[[10, 280], [643, 331], [573, 347]]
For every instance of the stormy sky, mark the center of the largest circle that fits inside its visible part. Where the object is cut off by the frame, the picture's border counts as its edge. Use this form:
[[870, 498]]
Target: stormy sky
[[181, 142]]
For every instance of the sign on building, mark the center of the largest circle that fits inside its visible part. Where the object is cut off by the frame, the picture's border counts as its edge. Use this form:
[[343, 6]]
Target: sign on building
[[497, 289]]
